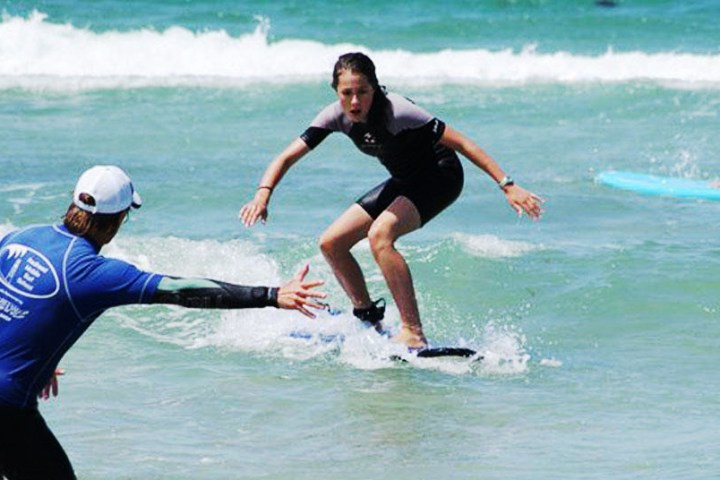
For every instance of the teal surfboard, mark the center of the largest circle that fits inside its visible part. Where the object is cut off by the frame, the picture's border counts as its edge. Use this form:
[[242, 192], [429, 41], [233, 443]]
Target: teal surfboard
[[660, 185]]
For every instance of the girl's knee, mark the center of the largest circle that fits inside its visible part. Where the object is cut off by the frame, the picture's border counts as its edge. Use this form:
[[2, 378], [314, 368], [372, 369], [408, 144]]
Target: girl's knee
[[327, 244], [379, 238], [331, 245]]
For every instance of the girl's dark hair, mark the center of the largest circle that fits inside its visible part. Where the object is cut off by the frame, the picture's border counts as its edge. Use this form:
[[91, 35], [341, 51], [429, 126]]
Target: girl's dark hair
[[99, 228], [360, 63]]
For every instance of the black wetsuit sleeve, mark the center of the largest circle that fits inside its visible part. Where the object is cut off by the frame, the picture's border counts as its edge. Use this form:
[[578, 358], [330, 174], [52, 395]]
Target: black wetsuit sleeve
[[225, 296], [313, 136]]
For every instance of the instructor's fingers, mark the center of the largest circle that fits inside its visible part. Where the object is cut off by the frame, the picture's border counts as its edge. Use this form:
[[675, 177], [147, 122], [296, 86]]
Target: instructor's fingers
[[310, 294], [306, 312], [312, 284], [302, 271], [313, 294], [313, 304], [299, 304]]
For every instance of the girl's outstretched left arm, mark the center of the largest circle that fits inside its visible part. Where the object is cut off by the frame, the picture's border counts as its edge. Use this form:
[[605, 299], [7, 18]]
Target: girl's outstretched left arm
[[520, 200]]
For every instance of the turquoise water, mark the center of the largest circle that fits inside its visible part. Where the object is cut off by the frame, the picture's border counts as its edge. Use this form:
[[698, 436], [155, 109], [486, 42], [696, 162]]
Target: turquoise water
[[599, 323]]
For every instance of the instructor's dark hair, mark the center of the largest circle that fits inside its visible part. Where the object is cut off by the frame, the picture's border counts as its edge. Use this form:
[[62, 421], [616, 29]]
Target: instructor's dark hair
[[99, 228], [360, 63]]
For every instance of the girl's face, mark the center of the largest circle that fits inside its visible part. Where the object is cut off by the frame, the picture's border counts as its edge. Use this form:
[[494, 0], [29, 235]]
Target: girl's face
[[355, 94]]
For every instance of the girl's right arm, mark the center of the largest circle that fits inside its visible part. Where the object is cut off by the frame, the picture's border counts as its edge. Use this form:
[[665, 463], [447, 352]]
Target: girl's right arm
[[257, 208]]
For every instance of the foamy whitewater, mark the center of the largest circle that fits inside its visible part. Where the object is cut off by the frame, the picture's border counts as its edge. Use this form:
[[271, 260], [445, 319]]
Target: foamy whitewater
[[598, 325], [36, 54]]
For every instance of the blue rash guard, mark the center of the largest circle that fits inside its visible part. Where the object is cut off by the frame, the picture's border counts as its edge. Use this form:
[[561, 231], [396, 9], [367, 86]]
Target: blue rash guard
[[53, 285]]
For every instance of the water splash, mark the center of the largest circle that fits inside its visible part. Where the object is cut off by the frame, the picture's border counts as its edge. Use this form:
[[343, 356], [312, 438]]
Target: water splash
[[491, 246]]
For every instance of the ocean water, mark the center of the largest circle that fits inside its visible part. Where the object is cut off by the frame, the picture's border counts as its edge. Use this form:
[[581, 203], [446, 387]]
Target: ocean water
[[599, 324]]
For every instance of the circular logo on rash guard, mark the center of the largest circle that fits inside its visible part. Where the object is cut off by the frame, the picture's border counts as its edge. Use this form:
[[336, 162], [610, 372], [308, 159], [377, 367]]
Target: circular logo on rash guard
[[27, 272]]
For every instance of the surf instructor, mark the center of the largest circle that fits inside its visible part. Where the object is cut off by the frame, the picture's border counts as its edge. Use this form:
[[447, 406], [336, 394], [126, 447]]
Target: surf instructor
[[54, 284], [426, 176]]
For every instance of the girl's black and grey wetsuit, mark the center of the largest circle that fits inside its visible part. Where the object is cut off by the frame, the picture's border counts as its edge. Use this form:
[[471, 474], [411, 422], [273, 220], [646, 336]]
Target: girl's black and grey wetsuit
[[423, 170]]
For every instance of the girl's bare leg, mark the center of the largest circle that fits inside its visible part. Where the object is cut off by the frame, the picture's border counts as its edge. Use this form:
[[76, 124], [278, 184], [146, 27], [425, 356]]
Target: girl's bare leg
[[400, 218], [335, 244]]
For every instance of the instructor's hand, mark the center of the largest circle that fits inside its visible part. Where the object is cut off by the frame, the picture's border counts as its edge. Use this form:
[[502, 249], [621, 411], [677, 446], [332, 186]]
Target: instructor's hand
[[522, 200], [297, 294], [52, 386]]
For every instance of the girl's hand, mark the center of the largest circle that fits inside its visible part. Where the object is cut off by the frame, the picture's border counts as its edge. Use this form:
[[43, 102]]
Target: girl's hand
[[251, 212], [522, 200], [255, 209]]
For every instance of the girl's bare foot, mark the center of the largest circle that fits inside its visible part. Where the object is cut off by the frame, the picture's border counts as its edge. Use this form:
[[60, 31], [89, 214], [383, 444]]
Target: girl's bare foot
[[410, 338]]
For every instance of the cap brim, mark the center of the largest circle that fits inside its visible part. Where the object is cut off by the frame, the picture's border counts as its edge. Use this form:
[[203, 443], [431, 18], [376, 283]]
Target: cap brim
[[136, 200]]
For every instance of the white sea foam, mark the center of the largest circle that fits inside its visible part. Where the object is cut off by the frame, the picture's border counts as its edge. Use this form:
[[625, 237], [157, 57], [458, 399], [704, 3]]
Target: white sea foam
[[504, 351], [232, 261], [490, 246], [343, 339], [36, 53]]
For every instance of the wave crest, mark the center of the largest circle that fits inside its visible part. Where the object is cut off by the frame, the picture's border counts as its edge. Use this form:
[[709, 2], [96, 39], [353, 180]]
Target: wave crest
[[36, 53]]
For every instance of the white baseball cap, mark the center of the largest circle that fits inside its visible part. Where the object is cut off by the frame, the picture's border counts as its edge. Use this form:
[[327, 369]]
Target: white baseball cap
[[109, 189]]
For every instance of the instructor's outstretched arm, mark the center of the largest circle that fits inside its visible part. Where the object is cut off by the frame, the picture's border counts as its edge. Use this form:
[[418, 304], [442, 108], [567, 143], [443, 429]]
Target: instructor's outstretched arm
[[296, 294]]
